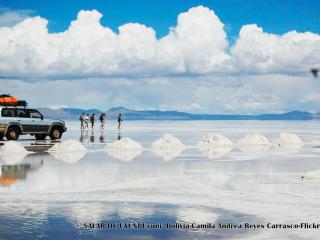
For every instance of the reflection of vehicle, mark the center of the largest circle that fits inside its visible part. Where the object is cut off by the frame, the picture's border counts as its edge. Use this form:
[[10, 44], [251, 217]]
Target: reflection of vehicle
[[17, 120], [11, 173]]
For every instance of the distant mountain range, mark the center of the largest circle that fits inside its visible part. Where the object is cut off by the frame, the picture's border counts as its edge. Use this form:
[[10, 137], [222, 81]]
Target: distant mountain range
[[128, 114]]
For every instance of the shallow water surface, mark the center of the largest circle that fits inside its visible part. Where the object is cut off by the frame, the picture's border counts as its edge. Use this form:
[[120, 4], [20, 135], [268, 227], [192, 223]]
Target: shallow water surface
[[55, 195]]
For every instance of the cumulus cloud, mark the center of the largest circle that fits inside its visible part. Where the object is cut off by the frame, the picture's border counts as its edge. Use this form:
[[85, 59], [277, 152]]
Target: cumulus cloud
[[192, 68], [258, 52], [197, 44], [9, 18]]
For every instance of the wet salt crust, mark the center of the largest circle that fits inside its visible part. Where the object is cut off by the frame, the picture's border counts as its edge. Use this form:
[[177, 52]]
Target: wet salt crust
[[125, 149], [70, 151], [167, 147]]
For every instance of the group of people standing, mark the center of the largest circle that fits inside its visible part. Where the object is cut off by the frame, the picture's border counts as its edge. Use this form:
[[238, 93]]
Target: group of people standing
[[85, 119]]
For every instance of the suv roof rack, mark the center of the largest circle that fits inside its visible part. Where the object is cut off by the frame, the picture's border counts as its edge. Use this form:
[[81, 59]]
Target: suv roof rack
[[20, 103], [8, 100]]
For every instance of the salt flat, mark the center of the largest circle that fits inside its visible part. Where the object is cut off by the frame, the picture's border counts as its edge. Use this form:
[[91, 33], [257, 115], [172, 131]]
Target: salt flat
[[50, 193]]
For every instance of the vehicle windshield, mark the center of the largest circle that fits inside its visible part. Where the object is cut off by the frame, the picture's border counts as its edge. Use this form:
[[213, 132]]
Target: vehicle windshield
[[35, 113]]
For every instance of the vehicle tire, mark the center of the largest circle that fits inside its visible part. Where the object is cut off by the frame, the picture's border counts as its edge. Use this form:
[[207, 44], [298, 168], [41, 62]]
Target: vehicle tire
[[40, 136], [1, 136], [55, 133], [13, 133]]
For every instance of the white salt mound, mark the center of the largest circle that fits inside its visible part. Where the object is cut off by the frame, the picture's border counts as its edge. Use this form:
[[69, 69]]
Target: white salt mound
[[316, 142], [69, 151], [288, 140], [13, 152], [125, 149], [313, 174], [254, 139], [167, 147], [215, 139]]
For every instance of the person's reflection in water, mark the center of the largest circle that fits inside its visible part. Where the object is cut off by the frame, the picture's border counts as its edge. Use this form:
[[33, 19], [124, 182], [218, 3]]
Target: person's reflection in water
[[86, 136], [81, 136], [101, 138], [119, 135], [92, 136]]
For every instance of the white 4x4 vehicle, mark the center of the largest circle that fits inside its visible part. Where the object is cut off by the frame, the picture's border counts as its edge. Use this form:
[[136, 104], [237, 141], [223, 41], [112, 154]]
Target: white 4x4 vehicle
[[16, 121]]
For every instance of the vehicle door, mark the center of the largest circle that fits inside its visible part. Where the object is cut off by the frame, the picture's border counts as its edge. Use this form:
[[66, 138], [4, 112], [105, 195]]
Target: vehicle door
[[40, 125], [23, 117], [8, 115]]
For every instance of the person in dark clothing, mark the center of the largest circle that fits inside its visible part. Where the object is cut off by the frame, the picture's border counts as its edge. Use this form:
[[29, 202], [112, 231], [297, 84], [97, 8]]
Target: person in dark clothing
[[92, 119], [102, 119], [81, 119], [119, 120]]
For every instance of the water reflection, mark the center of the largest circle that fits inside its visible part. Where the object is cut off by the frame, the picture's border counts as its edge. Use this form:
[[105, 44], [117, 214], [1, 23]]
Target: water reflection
[[86, 138], [11, 173], [119, 134], [38, 221], [92, 138], [102, 137], [217, 151]]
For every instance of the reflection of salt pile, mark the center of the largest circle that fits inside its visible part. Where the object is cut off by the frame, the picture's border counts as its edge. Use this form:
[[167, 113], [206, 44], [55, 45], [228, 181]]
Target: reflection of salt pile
[[215, 151], [167, 147], [215, 145], [313, 174], [69, 151], [254, 139], [13, 152], [288, 140], [125, 149]]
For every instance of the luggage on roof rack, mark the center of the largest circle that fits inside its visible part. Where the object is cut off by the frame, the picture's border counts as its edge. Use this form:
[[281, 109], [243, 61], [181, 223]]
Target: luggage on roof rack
[[7, 100]]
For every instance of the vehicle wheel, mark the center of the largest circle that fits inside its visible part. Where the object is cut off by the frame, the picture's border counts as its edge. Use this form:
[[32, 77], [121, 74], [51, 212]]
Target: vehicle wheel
[[13, 133], [1, 136], [56, 133], [40, 136]]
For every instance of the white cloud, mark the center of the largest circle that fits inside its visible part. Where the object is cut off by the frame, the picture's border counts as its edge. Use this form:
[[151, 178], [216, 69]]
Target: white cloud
[[9, 18], [197, 44], [258, 52], [197, 95], [193, 68]]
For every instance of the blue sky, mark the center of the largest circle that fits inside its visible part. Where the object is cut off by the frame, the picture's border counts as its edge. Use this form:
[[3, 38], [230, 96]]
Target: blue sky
[[275, 16], [224, 57]]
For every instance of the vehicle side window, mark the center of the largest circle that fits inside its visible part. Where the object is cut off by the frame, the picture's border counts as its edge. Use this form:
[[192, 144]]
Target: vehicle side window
[[35, 114], [22, 113], [8, 112]]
